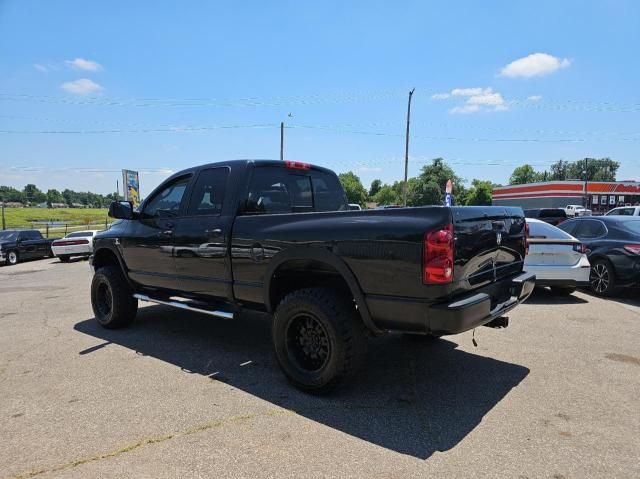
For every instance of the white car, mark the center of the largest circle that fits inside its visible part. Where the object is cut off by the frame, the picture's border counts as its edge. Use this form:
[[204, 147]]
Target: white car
[[78, 243], [624, 211], [577, 210], [556, 258]]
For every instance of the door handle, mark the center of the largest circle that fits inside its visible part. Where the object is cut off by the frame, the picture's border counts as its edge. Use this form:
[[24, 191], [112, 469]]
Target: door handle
[[214, 232]]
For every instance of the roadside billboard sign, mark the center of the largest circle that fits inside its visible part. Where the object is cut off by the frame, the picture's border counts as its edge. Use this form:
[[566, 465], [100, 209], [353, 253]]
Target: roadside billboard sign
[[131, 186]]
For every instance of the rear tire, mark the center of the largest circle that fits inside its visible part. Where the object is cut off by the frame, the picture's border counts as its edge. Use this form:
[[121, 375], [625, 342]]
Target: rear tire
[[319, 339], [602, 278], [12, 258], [112, 299], [64, 258], [563, 290]]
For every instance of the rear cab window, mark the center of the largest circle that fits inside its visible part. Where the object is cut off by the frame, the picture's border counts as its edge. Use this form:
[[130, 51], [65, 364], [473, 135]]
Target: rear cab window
[[275, 190], [553, 213]]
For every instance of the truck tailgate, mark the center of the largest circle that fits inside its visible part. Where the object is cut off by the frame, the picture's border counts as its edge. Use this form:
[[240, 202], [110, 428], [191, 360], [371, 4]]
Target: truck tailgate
[[490, 245]]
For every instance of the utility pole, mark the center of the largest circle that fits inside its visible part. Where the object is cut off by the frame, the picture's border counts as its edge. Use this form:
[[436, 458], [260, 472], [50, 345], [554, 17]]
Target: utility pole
[[406, 151], [282, 141], [586, 182]]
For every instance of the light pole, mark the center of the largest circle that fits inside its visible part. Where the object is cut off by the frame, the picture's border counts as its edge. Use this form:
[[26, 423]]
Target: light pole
[[406, 151]]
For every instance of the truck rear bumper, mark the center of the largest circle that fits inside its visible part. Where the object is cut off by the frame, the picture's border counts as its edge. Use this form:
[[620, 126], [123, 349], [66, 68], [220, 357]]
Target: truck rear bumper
[[475, 310], [461, 314]]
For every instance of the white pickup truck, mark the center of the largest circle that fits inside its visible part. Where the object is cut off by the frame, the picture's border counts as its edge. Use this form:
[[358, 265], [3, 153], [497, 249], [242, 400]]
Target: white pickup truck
[[577, 210]]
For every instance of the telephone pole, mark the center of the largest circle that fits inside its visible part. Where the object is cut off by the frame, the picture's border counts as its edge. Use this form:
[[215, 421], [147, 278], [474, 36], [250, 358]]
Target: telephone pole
[[406, 151], [586, 182], [282, 141]]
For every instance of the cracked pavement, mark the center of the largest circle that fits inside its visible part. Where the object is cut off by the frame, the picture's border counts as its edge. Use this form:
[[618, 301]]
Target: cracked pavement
[[184, 395]]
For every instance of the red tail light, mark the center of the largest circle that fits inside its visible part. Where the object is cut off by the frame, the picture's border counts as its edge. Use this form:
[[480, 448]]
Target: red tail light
[[526, 238], [437, 259], [632, 248], [64, 242], [297, 165]]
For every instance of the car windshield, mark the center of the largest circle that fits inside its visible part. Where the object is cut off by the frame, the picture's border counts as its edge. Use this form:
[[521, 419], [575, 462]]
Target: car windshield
[[545, 230], [8, 235]]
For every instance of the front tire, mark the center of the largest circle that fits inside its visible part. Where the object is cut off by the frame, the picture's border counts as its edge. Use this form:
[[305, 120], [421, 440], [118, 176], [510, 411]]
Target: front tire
[[112, 299], [12, 258], [319, 339], [602, 278]]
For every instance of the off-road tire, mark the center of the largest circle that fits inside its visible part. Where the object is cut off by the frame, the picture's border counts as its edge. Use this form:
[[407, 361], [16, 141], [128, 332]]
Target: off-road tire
[[112, 299], [322, 319]]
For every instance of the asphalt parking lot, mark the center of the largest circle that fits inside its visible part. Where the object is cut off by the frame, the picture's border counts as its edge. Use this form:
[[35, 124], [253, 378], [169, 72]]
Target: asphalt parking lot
[[183, 395]]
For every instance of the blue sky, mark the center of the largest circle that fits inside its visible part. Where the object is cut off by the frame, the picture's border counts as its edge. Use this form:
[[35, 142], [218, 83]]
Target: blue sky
[[88, 88]]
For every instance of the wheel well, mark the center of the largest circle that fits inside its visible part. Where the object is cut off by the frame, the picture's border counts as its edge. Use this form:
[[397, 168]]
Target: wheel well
[[303, 273], [104, 257]]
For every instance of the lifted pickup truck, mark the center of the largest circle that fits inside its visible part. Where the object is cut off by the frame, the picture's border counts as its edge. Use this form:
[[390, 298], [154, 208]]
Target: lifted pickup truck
[[280, 237], [19, 245]]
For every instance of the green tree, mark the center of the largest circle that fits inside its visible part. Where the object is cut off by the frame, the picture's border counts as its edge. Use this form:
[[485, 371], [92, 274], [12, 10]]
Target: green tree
[[54, 196], [353, 188], [374, 188], [524, 174], [422, 193], [8, 193], [480, 193], [387, 195], [439, 173], [33, 195]]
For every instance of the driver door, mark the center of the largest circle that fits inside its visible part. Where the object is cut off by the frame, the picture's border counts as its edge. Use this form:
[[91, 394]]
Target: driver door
[[148, 245]]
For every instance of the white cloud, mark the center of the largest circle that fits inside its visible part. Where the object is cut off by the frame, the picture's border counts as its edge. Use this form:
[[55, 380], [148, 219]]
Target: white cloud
[[40, 67], [440, 96], [534, 98], [82, 86], [470, 91], [85, 65], [488, 98], [536, 64]]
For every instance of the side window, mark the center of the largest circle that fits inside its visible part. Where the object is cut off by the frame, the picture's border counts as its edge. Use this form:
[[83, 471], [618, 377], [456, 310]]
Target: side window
[[569, 227], [614, 213], [208, 192], [276, 190], [627, 211], [167, 201], [590, 229], [30, 235], [327, 192]]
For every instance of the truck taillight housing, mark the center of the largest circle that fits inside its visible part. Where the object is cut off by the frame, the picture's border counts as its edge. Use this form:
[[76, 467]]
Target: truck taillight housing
[[437, 256]]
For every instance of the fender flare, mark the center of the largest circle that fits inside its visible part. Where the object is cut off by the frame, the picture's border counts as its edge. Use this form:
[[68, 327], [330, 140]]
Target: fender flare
[[111, 248], [322, 256]]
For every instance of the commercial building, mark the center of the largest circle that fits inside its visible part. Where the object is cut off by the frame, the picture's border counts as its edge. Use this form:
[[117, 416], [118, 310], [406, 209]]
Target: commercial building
[[599, 196]]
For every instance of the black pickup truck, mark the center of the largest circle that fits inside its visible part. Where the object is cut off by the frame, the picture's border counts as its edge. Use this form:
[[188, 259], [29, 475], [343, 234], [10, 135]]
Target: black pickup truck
[[280, 237], [18, 245]]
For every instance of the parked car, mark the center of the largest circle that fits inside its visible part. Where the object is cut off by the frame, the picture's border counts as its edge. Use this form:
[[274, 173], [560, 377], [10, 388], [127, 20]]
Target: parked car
[[624, 211], [553, 216], [556, 258], [79, 243], [287, 244], [20, 245], [613, 249], [577, 210]]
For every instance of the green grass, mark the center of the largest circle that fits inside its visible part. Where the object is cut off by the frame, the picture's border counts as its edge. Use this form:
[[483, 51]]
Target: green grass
[[20, 217], [76, 219]]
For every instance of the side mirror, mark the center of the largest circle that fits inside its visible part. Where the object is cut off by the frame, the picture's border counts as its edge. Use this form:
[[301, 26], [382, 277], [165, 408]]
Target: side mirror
[[121, 210]]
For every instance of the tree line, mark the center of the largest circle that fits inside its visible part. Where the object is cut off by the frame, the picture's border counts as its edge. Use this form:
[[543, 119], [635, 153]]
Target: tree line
[[31, 195], [427, 188], [591, 169]]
